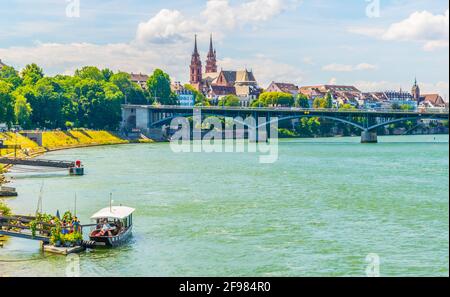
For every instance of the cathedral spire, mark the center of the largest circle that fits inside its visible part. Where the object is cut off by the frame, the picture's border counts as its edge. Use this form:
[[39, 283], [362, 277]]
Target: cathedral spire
[[211, 61], [211, 50], [196, 67], [195, 46], [415, 92]]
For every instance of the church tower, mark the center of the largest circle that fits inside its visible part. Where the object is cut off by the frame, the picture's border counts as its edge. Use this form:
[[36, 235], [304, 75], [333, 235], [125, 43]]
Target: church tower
[[211, 61], [416, 91], [196, 68]]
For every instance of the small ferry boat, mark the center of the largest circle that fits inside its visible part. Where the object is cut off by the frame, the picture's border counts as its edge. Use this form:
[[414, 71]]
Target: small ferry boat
[[113, 226]]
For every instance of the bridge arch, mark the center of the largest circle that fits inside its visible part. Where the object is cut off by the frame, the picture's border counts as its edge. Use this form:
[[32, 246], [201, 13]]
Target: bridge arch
[[371, 128], [167, 120], [337, 119]]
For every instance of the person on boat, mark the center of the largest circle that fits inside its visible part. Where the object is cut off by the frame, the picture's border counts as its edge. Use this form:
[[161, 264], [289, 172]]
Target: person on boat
[[64, 230], [76, 224], [106, 229]]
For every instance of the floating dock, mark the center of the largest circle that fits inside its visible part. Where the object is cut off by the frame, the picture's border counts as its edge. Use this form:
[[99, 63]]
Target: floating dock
[[63, 250], [8, 192], [75, 168]]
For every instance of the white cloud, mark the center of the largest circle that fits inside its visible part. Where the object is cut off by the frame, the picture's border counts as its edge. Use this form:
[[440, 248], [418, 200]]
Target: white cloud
[[429, 29], [168, 26], [348, 68], [164, 41], [333, 81], [220, 16]]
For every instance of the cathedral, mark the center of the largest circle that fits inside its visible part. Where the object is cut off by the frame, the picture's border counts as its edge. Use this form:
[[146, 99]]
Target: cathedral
[[214, 83]]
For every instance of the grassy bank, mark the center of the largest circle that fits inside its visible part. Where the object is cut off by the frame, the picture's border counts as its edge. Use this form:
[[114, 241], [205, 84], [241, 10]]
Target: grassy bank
[[78, 138], [56, 140]]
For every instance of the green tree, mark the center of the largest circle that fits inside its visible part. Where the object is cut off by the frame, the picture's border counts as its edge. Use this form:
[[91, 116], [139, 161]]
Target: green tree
[[308, 127], [90, 72], [10, 75], [229, 100], [31, 74], [133, 92], [329, 100], [396, 106], [159, 88], [302, 101], [107, 74], [319, 103], [6, 103], [22, 111], [199, 98], [406, 107], [347, 107], [275, 99]]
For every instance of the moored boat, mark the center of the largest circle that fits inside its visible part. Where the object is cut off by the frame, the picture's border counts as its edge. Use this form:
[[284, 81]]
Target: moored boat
[[114, 226]]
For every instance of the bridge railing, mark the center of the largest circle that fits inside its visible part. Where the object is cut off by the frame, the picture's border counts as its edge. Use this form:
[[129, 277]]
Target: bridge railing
[[298, 109]]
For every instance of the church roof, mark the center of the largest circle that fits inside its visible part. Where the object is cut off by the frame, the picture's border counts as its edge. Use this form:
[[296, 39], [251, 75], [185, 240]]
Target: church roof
[[238, 76], [434, 99], [284, 87], [245, 76], [222, 90]]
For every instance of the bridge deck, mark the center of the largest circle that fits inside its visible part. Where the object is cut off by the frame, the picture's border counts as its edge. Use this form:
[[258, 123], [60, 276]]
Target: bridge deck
[[37, 162], [391, 112]]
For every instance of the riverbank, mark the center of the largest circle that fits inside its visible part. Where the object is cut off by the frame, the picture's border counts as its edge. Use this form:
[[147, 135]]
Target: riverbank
[[38, 143]]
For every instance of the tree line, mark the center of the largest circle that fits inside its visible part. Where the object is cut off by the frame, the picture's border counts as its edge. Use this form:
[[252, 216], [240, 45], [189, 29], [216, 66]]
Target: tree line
[[91, 98]]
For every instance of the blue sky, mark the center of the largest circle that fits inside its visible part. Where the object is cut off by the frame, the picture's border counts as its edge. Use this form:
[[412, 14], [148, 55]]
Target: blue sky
[[305, 42]]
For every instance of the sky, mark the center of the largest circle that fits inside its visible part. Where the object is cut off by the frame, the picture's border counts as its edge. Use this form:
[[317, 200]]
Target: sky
[[375, 45]]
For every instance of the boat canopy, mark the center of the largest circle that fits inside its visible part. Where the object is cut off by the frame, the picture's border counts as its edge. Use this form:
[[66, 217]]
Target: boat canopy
[[114, 212]]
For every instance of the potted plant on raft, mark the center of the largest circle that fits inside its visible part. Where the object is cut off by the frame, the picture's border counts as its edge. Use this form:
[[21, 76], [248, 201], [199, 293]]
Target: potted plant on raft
[[68, 240], [55, 239], [78, 238]]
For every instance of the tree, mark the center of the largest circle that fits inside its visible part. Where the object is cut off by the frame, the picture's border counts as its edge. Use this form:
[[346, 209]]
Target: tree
[[6, 103], [347, 106], [10, 75], [319, 103], [308, 127], [406, 107], [199, 98], [159, 88], [302, 101], [22, 111], [329, 100], [31, 74], [133, 92], [107, 73], [229, 100], [98, 104], [395, 106], [90, 72], [275, 99]]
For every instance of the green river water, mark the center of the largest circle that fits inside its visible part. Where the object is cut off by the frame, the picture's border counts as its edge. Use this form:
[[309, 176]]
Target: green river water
[[319, 211]]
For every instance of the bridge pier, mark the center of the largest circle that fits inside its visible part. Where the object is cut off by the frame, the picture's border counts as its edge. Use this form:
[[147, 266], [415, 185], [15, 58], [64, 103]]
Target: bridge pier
[[369, 137]]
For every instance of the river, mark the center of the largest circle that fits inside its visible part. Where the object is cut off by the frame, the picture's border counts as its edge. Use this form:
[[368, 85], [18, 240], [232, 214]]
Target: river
[[319, 211]]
